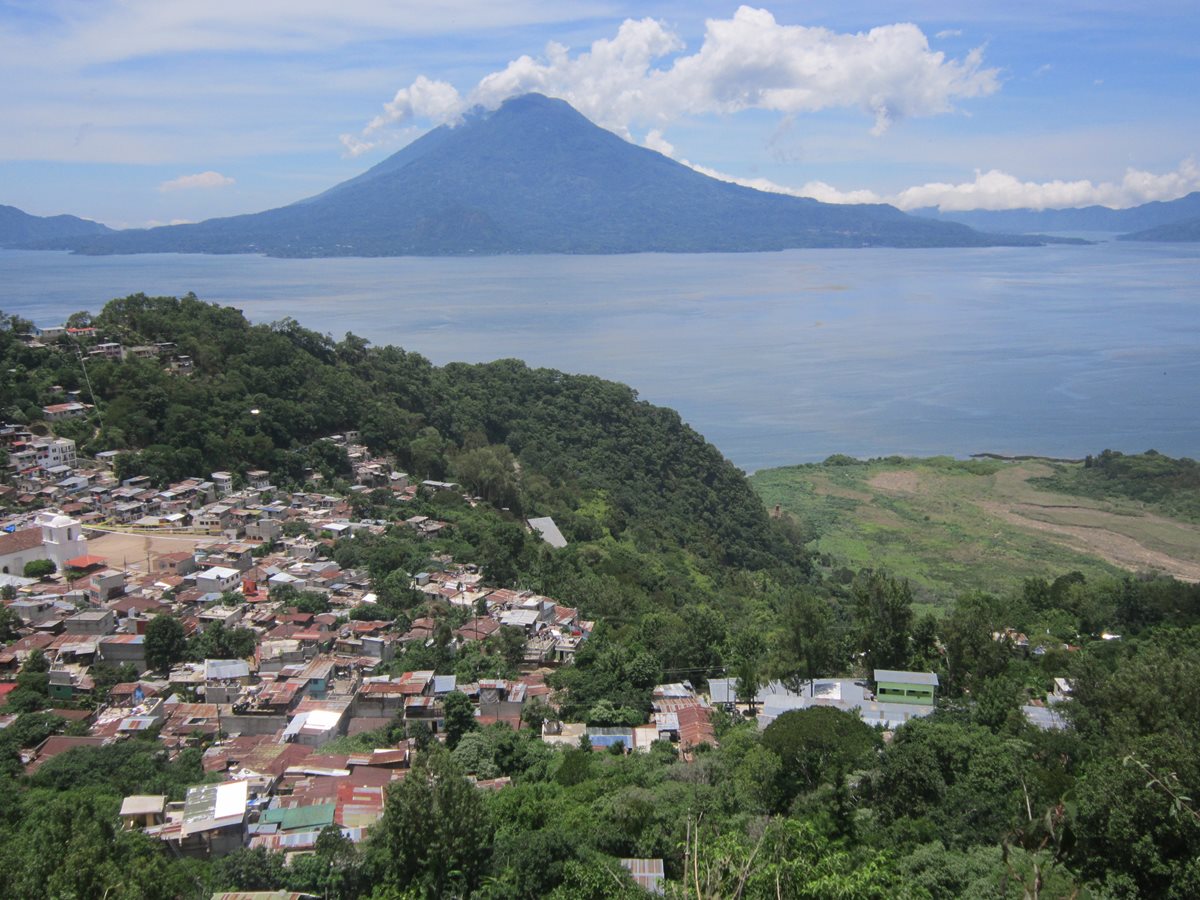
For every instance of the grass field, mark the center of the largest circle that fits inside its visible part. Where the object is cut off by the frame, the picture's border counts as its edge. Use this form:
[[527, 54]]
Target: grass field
[[955, 525]]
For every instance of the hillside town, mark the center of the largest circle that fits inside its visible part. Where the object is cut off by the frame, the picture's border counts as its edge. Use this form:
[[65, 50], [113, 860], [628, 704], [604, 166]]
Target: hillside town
[[231, 554]]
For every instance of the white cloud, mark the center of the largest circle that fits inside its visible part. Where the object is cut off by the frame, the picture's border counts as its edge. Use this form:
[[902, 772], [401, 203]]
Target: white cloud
[[655, 141], [999, 190], [995, 190], [423, 99], [201, 180], [749, 61], [948, 33]]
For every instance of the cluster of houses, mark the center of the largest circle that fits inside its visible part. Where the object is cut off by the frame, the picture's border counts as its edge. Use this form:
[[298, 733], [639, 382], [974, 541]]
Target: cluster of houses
[[91, 345], [47, 471], [265, 720]]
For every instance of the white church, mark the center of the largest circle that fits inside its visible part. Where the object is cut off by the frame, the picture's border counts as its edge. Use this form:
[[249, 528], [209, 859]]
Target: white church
[[54, 537]]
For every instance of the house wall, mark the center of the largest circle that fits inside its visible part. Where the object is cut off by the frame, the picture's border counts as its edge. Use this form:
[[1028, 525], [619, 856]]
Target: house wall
[[114, 653], [896, 692]]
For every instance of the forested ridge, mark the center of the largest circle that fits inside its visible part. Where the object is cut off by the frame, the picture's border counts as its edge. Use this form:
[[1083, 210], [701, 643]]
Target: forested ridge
[[260, 395], [687, 577]]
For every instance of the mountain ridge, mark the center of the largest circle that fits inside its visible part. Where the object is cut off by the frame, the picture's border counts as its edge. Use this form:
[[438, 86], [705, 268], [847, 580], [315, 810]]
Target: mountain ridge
[[535, 176], [1155, 214], [18, 227]]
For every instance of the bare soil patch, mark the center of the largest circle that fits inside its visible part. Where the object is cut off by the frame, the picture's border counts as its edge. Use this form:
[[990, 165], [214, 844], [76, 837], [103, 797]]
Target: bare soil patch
[[824, 489], [131, 550], [905, 481], [1096, 539]]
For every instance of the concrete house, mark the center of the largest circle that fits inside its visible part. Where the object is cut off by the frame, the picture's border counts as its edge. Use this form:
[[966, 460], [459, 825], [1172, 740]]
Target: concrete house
[[223, 482], [914, 688], [92, 621], [218, 579], [178, 563], [57, 412], [143, 811]]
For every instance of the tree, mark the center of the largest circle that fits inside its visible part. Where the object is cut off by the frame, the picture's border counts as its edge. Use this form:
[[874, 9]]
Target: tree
[[817, 743], [805, 648], [535, 713], [749, 680], [459, 713], [435, 834], [165, 643], [218, 642], [9, 623], [250, 870], [510, 643], [40, 568], [884, 616]]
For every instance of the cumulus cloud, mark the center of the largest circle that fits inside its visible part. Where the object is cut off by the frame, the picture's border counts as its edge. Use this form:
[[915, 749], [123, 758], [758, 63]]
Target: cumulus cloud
[[201, 180], [995, 189], [750, 61], [438, 101], [655, 141]]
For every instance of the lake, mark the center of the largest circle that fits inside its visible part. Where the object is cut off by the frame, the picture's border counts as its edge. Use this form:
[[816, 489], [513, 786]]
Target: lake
[[775, 357]]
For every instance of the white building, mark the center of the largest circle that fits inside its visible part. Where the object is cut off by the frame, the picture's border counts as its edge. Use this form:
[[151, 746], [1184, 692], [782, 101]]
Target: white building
[[218, 579], [55, 452], [62, 537]]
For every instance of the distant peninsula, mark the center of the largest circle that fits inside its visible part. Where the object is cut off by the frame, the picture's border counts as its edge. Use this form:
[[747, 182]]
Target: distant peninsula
[[536, 176], [1187, 231], [19, 228]]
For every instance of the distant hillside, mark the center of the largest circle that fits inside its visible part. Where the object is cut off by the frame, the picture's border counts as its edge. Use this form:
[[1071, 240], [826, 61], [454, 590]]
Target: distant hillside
[[1185, 231], [535, 176], [17, 227], [1087, 218]]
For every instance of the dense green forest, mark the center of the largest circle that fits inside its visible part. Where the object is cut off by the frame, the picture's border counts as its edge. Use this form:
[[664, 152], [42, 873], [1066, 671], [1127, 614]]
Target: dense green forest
[[688, 577]]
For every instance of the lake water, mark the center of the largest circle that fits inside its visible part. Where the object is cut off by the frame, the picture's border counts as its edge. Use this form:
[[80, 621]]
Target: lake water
[[776, 357]]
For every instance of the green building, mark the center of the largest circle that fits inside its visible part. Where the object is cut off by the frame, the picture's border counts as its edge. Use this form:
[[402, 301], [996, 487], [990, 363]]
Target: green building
[[914, 688]]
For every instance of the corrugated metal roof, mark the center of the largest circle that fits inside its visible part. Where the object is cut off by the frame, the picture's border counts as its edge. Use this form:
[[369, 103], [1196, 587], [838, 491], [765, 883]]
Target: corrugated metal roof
[[212, 806], [546, 527], [648, 873], [297, 818], [1044, 718]]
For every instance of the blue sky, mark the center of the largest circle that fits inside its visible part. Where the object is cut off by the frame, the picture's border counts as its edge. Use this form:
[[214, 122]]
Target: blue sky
[[152, 111]]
